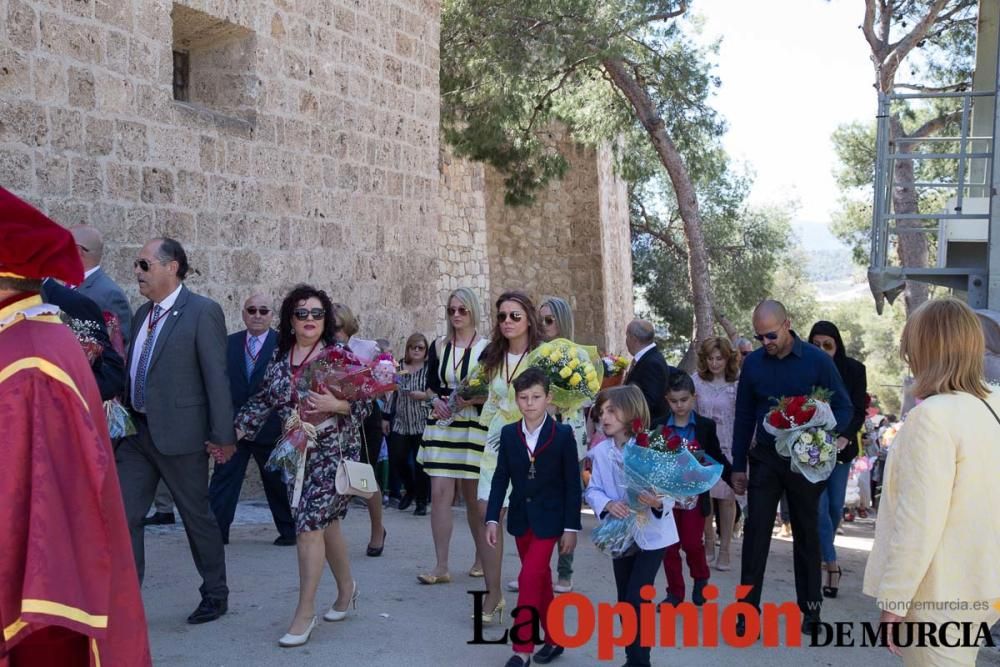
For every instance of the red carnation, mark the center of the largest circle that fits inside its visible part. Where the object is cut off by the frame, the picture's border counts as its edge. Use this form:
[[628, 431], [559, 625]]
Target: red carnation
[[637, 426], [674, 442], [795, 404], [642, 439]]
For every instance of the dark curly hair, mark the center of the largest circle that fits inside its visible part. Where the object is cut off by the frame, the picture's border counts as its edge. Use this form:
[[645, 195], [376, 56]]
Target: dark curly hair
[[299, 293], [495, 353]]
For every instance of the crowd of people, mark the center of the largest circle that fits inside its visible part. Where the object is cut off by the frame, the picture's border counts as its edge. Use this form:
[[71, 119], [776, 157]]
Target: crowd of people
[[195, 394]]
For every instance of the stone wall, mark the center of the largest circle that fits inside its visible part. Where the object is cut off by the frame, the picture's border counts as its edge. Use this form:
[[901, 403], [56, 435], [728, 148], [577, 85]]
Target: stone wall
[[569, 244], [308, 150]]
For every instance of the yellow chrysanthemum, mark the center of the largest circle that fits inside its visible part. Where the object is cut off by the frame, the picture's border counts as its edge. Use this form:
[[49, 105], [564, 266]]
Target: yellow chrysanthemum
[[545, 350], [593, 385], [555, 357], [573, 363], [575, 380], [565, 372]]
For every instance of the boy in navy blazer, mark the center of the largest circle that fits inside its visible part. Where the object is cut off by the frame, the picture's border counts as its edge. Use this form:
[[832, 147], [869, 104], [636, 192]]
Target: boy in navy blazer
[[538, 457]]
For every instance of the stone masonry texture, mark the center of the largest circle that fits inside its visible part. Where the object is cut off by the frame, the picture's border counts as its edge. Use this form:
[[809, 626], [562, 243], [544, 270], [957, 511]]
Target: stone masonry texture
[[308, 151]]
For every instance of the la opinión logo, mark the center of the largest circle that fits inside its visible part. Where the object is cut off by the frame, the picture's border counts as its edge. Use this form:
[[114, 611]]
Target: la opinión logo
[[616, 625]]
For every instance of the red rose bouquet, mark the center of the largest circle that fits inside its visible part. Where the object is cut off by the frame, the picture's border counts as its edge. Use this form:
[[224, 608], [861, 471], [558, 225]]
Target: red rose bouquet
[[801, 426]]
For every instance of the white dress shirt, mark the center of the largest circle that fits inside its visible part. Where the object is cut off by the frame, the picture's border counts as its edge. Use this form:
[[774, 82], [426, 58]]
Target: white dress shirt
[[88, 272], [638, 355], [608, 484], [143, 333]]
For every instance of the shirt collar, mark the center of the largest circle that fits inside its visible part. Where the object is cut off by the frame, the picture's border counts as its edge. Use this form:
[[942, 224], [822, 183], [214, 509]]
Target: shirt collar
[[260, 339], [532, 434], [168, 302], [692, 418], [89, 272], [796, 345], [638, 355]]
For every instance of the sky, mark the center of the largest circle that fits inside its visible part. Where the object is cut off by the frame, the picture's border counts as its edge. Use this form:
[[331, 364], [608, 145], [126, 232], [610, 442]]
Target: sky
[[791, 72]]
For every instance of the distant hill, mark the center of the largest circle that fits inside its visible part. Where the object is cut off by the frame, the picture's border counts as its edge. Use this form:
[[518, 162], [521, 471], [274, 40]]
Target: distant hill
[[829, 259]]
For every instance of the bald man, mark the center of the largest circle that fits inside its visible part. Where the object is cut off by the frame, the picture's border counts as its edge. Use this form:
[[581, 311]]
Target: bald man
[[97, 285], [784, 366], [248, 354]]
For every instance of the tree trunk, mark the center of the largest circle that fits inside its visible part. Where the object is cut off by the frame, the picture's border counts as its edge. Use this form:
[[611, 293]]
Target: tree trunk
[[687, 200], [912, 246]]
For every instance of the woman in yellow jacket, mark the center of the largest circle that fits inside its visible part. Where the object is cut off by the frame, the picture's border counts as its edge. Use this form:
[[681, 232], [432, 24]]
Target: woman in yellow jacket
[[936, 556]]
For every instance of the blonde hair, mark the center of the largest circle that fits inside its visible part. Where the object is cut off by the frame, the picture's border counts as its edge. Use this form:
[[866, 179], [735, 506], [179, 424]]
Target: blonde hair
[[725, 348], [629, 401], [563, 315], [344, 318], [943, 345], [471, 303]]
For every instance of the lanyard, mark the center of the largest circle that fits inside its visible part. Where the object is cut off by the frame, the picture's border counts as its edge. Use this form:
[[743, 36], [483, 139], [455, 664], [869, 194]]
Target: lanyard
[[151, 323], [512, 374], [538, 450], [253, 357], [297, 370]]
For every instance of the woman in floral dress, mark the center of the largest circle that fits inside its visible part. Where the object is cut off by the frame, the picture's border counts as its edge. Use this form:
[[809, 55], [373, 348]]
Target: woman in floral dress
[[715, 387], [306, 327]]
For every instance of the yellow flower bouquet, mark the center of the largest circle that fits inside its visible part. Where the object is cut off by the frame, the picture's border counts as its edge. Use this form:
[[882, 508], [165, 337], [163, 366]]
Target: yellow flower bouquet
[[575, 372]]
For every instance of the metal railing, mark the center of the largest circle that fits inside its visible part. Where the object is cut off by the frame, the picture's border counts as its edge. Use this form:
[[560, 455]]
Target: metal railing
[[970, 176]]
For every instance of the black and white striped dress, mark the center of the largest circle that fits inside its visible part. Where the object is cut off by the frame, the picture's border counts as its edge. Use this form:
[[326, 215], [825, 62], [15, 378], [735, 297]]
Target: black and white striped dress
[[455, 450]]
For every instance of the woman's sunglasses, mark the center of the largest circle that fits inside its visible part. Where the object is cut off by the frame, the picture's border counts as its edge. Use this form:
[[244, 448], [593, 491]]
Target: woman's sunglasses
[[771, 335], [514, 317], [548, 320], [418, 347], [827, 345], [461, 310], [302, 314], [253, 310]]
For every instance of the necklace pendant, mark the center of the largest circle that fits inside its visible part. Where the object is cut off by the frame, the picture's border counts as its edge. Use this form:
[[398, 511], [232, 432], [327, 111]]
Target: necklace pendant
[[531, 471]]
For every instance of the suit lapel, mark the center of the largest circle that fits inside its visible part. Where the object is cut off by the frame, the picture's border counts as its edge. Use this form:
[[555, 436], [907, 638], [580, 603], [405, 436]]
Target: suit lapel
[[169, 322], [263, 357]]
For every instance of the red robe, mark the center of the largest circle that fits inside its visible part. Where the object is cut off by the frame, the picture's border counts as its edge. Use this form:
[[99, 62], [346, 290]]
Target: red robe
[[66, 564]]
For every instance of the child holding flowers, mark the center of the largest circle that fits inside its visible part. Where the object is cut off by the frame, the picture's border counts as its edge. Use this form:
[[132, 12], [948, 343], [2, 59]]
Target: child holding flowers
[[624, 413], [697, 433]]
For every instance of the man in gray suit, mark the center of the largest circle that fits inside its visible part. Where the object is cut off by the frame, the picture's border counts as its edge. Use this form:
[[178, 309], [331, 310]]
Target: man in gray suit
[[178, 390], [97, 285]]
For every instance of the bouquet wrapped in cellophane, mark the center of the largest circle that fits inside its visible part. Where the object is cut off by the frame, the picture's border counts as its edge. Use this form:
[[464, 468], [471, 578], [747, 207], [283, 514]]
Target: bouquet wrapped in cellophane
[[659, 463], [575, 372], [614, 370], [801, 426], [475, 385]]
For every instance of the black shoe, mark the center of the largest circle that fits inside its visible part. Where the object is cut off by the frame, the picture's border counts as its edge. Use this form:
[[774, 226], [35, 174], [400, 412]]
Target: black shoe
[[209, 610], [159, 519], [548, 653], [517, 661], [831, 590], [421, 510], [698, 594], [671, 600], [375, 552], [405, 502], [282, 541], [810, 622]]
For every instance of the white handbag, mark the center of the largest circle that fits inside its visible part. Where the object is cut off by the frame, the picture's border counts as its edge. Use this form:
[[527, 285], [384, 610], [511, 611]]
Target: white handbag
[[355, 478]]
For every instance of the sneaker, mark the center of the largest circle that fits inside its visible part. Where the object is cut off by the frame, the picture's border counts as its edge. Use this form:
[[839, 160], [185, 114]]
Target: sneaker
[[512, 586], [562, 586]]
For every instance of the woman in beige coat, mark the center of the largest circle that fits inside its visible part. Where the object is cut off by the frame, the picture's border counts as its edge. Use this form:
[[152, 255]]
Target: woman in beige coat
[[936, 556]]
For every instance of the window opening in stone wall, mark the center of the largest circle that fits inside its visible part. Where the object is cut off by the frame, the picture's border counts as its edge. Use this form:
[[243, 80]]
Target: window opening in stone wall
[[182, 74], [215, 64]]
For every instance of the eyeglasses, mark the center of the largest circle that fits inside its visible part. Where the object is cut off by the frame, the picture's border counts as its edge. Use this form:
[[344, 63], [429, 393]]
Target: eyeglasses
[[771, 335], [142, 265], [514, 317], [302, 314], [827, 345], [253, 310], [418, 347], [548, 320], [461, 310]]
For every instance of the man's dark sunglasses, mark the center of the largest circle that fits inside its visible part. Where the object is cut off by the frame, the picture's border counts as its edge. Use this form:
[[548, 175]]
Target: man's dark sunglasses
[[302, 314], [141, 264], [253, 310], [771, 335]]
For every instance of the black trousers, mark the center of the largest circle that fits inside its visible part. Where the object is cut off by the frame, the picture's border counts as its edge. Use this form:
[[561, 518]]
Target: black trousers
[[632, 572], [227, 480], [140, 467], [403, 449], [770, 477]]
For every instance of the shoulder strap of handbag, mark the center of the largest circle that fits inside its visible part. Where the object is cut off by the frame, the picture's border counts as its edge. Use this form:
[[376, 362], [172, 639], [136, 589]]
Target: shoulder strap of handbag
[[990, 408]]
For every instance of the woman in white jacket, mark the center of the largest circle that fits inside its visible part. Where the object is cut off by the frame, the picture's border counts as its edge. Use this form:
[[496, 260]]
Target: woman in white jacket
[[621, 410], [936, 552]]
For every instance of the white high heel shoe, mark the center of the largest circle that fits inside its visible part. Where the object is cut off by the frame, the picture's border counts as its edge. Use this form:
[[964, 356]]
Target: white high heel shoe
[[334, 615], [290, 640]]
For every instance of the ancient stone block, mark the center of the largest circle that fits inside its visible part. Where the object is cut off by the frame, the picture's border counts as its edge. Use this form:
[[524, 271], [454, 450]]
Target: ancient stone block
[[21, 30], [15, 74], [23, 122], [123, 182], [52, 174], [86, 178], [99, 135], [131, 139], [16, 169], [81, 88], [157, 186]]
